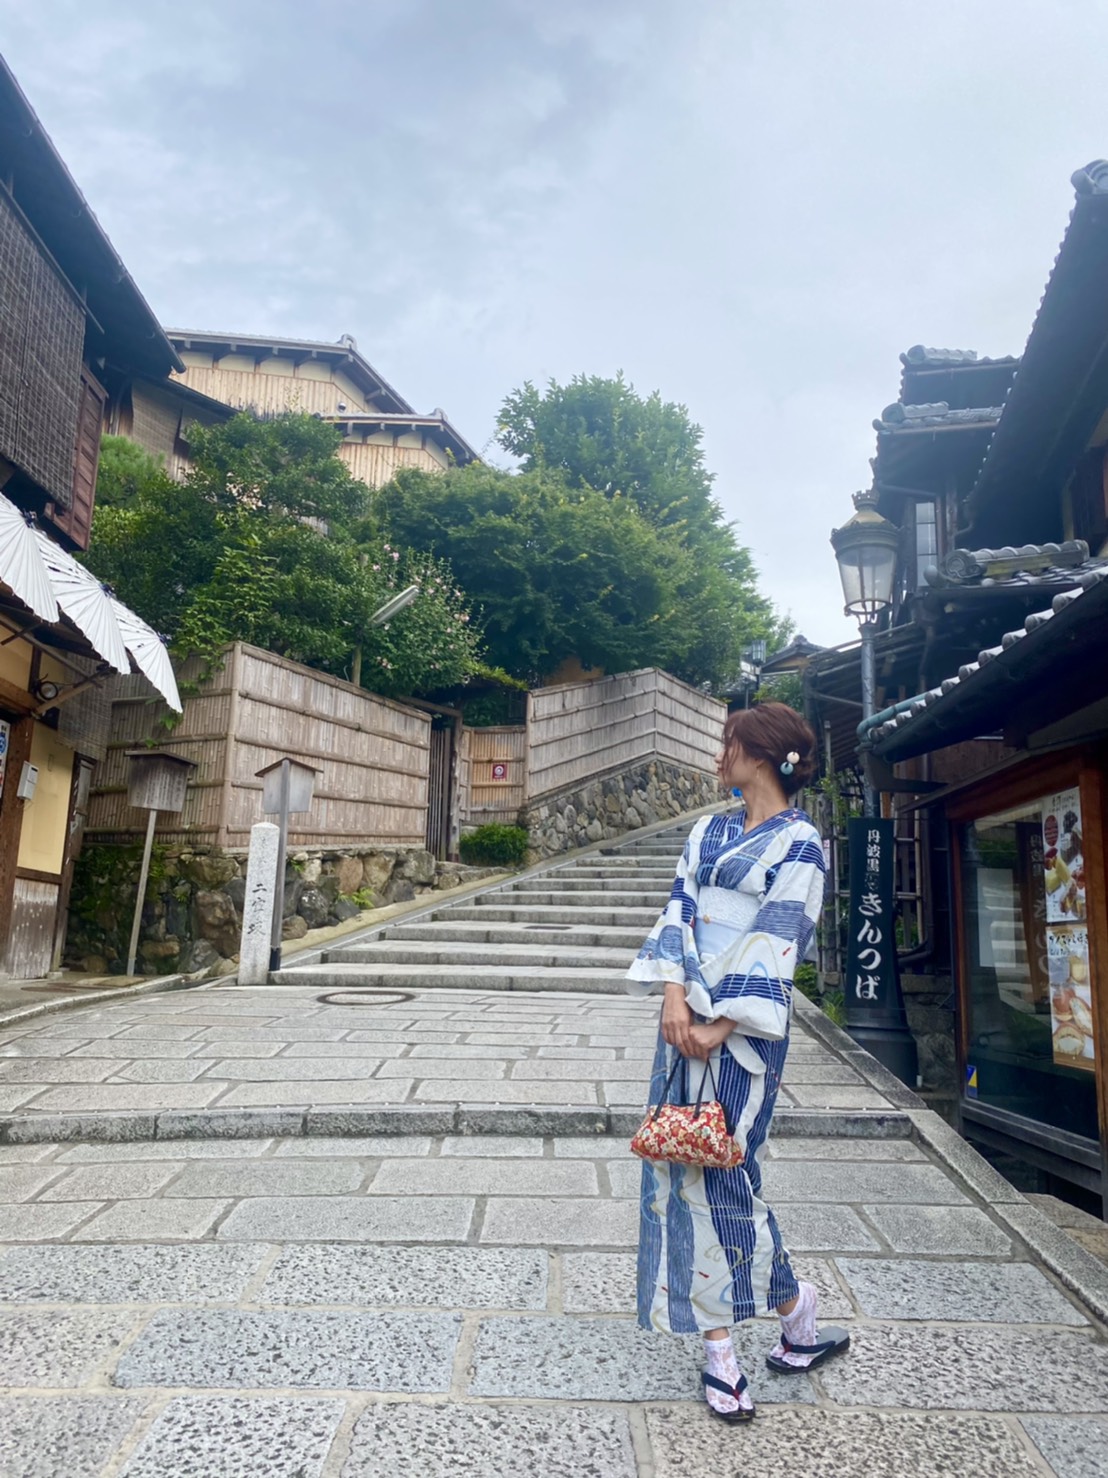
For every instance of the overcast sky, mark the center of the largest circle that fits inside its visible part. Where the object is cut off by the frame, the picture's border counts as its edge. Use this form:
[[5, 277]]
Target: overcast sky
[[753, 207]]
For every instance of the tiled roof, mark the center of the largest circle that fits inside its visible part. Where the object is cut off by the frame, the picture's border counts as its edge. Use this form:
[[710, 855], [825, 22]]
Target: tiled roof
[[919, 355], [1088, 183], [800, 646], [1030, 566], [971, 670], [898, 418]]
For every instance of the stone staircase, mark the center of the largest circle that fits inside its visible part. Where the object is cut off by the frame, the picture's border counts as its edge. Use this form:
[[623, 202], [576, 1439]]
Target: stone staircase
[[573, 927]]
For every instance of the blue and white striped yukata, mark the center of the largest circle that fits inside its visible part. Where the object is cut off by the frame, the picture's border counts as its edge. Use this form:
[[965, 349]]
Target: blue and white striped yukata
[[741, 915]]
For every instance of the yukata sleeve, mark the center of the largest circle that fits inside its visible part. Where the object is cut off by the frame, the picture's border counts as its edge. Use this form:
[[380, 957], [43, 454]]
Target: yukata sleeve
[[667, 947], [753, 985]]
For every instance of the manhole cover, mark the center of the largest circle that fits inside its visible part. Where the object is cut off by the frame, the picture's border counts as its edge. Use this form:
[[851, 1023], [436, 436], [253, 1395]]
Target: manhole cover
[[365, 997]]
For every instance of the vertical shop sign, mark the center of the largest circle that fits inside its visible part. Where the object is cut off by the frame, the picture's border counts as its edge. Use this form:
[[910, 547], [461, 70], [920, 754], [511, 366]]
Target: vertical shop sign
[[5, 741], [871, 952], [1067, 935]]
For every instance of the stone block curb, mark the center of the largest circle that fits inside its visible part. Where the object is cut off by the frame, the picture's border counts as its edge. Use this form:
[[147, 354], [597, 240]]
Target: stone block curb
[[402, 1119], [535, 1119], [397, 1119], [154, 986], [876, 1075], [962, 1160], [1082, 1273]]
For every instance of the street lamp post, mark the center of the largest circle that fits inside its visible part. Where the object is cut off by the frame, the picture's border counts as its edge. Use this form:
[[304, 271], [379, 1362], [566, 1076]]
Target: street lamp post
[[866, 550], [381, 617]]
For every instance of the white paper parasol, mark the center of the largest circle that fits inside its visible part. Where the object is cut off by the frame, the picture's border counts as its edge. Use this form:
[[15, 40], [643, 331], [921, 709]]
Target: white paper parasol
[[148, 652], [21, 566], [85, 601]]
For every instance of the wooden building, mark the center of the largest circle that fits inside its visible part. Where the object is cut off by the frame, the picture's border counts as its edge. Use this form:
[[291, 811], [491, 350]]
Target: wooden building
[[74, 332], [994, 736], [381, 432]]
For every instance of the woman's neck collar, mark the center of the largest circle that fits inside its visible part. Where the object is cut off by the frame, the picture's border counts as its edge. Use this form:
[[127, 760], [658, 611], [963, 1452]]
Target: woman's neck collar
[[762, 800]]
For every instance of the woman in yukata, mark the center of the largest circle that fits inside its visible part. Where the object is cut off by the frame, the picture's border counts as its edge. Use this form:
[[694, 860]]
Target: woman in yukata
[[744, 907]]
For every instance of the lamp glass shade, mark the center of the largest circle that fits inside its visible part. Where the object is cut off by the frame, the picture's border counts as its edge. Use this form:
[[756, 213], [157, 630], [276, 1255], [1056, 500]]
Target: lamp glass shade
[[866, 549]]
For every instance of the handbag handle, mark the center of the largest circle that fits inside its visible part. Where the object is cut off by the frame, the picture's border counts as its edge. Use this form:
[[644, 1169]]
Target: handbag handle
[[708, 1070], [680, 1063]]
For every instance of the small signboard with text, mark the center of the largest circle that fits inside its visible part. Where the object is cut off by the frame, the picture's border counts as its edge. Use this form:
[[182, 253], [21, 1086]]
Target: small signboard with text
[[871, 953]]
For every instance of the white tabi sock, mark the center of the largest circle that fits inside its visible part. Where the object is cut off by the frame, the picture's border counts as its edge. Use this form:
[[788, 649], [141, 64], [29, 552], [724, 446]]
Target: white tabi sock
[[720, 1360], [799, 1328]]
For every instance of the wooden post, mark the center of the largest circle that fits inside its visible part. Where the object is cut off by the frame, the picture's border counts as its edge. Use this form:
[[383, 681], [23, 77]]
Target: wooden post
[[11, 822], [144, 874], [279, 892], [1096, 880]]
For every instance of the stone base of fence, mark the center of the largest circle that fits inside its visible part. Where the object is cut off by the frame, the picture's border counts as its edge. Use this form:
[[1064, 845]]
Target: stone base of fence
[[192, 919], [599, 809]]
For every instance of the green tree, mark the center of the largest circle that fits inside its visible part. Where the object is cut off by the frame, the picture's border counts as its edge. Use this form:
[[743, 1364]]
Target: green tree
[[269, 541], [556, 571], [125, 469], [603, 435], [599, 433]]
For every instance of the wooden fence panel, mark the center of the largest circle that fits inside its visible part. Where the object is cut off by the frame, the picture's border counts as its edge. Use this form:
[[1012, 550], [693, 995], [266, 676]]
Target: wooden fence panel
[[581, 730], [484, 799], [372, 754], [689, 724], [201, 736]]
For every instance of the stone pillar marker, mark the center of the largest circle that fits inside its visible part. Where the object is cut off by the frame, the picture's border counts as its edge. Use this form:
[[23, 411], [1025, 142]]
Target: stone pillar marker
[[259, 903]]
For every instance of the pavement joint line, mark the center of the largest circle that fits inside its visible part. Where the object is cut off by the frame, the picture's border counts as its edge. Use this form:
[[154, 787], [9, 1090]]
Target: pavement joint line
[[461, 1370], [339, 1451], [139, 1428], [477, 1219], [555, 1284]]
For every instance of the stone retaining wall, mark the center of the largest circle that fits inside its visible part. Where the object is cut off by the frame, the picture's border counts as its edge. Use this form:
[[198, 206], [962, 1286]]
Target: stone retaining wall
[[602, 809], [929, 1007], [192, 919]]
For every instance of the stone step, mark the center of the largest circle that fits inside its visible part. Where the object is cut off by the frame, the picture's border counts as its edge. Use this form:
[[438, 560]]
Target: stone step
[[501, 913], [628, 874], [567, 881], [549, 955], [565, 898], [660, 839], [335, 977], [656, 855], [570, 935]]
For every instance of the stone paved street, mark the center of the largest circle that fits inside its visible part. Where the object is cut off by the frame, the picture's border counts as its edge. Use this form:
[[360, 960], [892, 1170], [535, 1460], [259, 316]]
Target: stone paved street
[[243, 1235]]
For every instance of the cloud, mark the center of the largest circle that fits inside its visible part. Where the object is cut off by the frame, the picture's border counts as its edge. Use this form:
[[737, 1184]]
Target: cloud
[[752, 208]]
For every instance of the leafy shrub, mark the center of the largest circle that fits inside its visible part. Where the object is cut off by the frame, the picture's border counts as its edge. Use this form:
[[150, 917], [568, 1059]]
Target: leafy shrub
[[830, 1002], [495, 846]]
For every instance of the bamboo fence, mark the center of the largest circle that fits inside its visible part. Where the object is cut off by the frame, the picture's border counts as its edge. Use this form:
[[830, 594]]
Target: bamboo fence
[[372, 754]]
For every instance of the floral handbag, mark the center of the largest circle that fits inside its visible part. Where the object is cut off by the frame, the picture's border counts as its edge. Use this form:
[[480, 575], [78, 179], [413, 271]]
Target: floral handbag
[[688, 1134]]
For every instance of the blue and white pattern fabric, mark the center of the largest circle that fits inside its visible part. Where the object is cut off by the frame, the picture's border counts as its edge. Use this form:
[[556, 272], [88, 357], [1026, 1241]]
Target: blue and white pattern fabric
[[774, 876], [742, 913]]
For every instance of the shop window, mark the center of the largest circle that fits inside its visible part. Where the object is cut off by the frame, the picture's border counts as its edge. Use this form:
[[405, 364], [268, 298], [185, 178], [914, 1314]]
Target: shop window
[[1029, 1002]]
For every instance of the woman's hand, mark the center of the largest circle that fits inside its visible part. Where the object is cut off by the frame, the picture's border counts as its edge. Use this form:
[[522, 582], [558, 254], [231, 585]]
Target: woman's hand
[[677, 1019], [703, 1040]]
